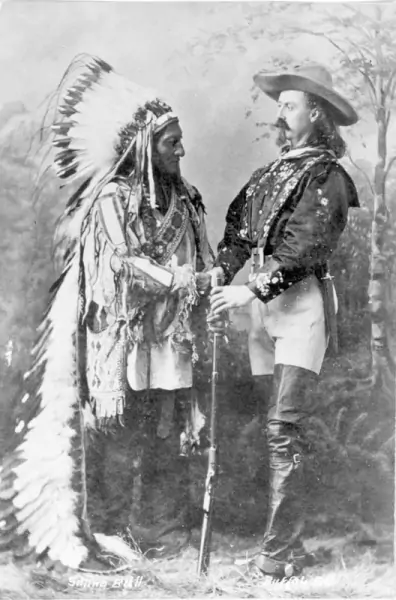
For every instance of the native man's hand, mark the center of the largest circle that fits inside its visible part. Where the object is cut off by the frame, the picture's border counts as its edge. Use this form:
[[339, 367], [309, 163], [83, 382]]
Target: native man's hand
[[182, 277], [229, 296]]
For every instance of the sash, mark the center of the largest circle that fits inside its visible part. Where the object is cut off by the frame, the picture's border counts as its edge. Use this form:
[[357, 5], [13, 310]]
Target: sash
[[163, 240], [171, 231]]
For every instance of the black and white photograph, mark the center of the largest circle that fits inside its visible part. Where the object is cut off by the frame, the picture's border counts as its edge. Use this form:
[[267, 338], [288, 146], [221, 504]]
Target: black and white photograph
[[197, 292]]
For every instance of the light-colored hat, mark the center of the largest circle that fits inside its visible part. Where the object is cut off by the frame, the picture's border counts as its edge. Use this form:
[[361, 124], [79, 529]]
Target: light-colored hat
[[314, 79]]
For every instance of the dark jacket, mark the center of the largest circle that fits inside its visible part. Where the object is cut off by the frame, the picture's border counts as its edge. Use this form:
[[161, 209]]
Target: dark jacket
[[295, 209]]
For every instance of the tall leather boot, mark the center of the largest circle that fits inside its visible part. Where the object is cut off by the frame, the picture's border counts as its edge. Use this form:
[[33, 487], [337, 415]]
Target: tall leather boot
[[262, 385], [285, 442], [262, 388], [255, 430]]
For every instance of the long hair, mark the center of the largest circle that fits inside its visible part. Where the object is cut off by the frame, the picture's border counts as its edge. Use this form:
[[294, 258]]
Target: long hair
[[325, 132]]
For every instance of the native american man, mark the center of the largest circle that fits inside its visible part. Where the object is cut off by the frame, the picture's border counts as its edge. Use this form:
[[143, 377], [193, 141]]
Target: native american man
[[134, 247], [289, 218]]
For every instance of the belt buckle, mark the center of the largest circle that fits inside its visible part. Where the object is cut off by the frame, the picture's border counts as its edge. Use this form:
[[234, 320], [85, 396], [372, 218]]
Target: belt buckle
[[257, 264]]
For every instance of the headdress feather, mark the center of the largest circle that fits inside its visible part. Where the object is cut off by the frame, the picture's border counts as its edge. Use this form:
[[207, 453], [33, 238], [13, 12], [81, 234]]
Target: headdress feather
[[94, 113]]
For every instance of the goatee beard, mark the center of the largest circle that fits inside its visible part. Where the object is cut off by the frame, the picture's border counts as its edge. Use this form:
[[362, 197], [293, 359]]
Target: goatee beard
[[167, 177]]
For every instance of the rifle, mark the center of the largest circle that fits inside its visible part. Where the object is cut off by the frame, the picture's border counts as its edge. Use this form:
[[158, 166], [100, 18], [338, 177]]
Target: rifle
[[206, 533]]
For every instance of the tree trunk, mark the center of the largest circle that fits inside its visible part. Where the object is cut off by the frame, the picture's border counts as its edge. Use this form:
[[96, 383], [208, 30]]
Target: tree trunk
[[382, 362], [383, 368]]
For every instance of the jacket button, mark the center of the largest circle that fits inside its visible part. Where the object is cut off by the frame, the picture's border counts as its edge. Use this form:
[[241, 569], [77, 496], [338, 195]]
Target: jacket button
[[260, 212]]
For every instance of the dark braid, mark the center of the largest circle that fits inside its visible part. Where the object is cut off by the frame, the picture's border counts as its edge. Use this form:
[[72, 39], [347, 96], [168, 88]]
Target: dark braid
[[325, 132]]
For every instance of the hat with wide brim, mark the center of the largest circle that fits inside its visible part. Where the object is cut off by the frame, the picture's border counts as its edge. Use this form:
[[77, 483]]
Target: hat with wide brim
[[313, 79]]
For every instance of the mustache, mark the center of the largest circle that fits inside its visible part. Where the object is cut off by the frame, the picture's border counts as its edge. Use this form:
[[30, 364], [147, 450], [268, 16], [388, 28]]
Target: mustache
[[281, 124]]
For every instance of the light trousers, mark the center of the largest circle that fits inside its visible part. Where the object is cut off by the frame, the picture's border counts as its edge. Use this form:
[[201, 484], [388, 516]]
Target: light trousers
[[289, 330]]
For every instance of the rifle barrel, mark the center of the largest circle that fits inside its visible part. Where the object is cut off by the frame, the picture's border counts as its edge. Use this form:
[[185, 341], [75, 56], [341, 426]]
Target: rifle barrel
[[206, 534]]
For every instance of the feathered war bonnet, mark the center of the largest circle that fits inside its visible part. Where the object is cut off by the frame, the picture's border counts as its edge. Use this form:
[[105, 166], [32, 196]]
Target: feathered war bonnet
[[101, 120]]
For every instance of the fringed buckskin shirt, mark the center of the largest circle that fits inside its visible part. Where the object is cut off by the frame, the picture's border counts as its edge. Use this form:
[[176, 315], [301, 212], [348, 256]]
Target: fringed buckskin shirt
[[138, 327], [294, 211]]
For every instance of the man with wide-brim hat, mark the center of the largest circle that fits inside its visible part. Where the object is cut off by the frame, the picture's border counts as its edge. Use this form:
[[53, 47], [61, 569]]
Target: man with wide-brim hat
[[311, 79], [288, 219]]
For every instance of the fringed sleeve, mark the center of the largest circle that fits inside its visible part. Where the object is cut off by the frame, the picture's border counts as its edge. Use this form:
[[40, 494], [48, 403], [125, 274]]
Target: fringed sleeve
[[120, 282]]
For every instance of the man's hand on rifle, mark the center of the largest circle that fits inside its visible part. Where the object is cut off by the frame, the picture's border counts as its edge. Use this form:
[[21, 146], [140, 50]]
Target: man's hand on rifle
[[229, 296], [218, 324]]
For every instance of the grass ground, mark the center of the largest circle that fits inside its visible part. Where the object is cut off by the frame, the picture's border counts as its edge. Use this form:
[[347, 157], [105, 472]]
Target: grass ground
[[350, 572]]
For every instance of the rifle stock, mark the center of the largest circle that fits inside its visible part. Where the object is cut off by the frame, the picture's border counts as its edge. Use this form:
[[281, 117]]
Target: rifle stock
[[206, 533]]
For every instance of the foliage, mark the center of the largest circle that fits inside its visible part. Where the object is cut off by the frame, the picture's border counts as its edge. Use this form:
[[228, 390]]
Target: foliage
[[355, 469]]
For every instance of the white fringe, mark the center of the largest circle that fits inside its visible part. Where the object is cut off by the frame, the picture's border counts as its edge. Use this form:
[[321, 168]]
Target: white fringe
[[116, 545]]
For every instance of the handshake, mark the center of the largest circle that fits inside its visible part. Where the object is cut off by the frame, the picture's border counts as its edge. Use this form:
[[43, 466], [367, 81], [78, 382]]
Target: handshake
[[182, 276], [204, 281]]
